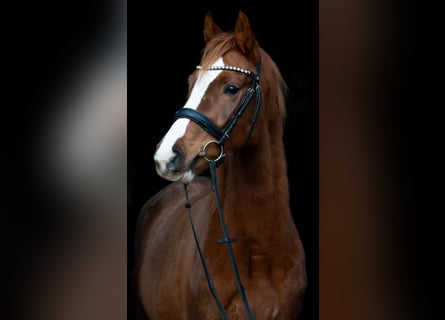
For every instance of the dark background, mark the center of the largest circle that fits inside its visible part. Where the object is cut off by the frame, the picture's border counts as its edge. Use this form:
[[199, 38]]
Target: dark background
[[49, 44], [45, 44], [166, 48]]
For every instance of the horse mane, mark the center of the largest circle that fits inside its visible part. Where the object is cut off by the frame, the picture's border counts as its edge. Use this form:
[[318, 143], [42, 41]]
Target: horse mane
[[273, 84]]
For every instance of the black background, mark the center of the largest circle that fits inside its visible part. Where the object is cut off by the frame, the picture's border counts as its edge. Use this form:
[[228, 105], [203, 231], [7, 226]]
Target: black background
[[48, 44], [47, 41], [166, 48]]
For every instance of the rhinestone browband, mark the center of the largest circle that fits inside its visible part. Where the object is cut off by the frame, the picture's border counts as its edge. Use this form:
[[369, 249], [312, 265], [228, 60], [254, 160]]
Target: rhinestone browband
[[227, 68]]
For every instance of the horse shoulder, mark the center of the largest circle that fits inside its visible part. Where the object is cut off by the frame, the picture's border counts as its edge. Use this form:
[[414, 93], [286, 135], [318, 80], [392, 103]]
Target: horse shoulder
[[166, 199], [162, 221]]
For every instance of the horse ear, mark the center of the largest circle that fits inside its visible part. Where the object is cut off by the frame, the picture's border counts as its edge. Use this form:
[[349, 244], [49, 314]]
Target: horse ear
[[210, 28], [245, 39]]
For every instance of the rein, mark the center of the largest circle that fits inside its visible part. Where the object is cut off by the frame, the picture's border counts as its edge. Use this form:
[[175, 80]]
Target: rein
[[227, 240], [221, 136]]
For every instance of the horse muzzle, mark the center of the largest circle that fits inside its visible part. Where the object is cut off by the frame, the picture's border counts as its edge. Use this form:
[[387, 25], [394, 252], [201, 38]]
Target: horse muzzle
[[172, 167]]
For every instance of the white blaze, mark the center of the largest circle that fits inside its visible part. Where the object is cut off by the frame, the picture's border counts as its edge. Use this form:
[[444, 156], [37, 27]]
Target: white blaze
[[165, 151]]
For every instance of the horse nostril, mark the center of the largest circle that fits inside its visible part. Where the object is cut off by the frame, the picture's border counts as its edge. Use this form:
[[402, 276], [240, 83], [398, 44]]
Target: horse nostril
[[175, 164]]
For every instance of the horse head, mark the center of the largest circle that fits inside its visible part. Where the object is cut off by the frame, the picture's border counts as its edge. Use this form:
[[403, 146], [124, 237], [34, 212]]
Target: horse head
[[223, 87]]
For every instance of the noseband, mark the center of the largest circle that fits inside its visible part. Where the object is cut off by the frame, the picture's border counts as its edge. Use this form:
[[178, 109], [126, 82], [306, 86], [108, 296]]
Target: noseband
[[208, 125]]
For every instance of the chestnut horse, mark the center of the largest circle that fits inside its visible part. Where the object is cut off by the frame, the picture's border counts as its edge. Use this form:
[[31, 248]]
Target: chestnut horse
[[220, 242]]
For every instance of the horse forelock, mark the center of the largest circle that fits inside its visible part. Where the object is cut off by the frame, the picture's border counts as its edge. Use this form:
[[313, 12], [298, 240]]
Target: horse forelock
[[217, 47]]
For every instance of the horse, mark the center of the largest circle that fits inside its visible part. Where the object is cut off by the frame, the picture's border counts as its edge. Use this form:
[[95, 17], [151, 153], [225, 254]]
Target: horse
[[219, 241]]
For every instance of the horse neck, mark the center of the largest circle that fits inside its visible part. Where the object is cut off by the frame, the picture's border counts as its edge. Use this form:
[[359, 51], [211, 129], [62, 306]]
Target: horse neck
[[253, 188]]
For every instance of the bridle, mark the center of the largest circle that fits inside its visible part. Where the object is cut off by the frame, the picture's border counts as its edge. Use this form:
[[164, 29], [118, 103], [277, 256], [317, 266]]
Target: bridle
[[221, 135]]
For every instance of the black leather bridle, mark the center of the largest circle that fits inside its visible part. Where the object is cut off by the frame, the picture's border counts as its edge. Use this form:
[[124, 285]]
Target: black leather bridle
[[221, 135]]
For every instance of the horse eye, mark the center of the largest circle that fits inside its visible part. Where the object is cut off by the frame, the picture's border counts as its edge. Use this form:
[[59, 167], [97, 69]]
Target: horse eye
[[231, 89]]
